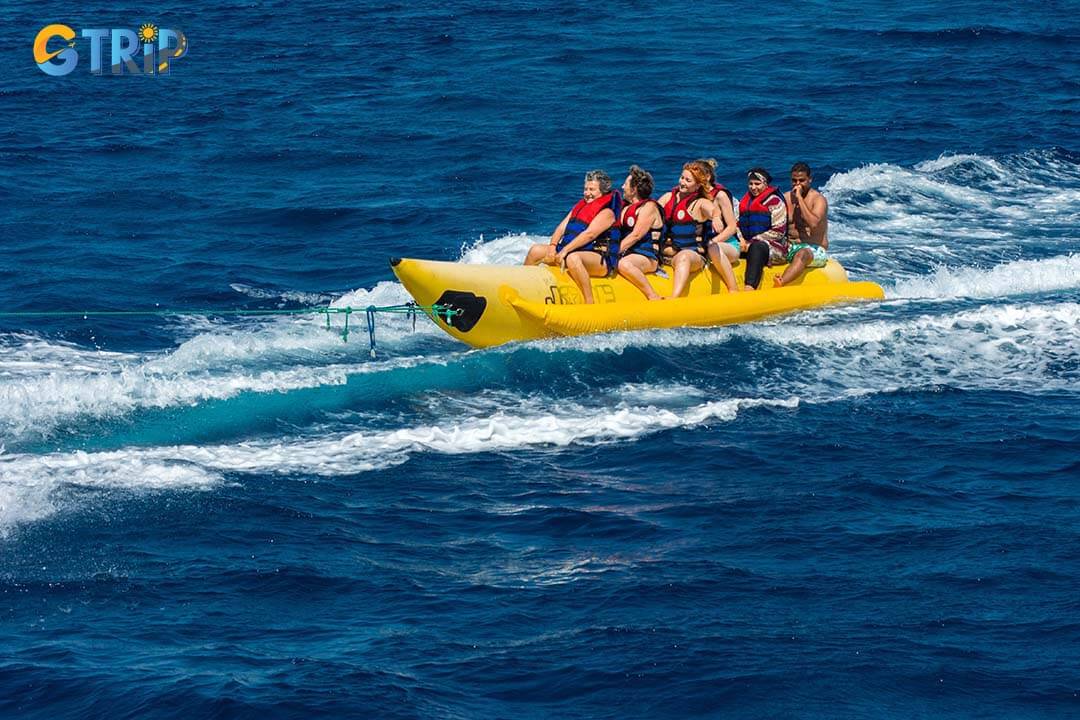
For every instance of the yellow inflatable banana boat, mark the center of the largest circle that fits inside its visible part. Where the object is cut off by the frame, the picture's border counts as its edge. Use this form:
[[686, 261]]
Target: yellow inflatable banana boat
[[496, 304]]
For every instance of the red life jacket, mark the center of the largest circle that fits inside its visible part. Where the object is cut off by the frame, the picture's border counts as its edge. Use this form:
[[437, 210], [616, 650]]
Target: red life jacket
[[718, 188], [681, 230], [754, 217], [649, 244], [584, 213]]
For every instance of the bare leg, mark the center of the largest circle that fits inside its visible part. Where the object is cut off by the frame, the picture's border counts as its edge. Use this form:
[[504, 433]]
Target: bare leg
[[633, 267], [723, 266], [684, 263], [580, 266], [540, 253], [732, 253], [798, 264]]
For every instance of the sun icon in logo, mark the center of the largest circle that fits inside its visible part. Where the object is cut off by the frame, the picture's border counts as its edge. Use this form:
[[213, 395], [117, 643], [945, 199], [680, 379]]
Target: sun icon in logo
[[148, 33]]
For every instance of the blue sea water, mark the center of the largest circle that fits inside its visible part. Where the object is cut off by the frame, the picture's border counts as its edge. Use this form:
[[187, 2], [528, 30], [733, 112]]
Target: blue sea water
[[867, 512]]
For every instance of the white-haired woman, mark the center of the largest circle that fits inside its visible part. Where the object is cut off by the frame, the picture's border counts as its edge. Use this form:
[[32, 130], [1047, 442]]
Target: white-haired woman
[[582, 241]]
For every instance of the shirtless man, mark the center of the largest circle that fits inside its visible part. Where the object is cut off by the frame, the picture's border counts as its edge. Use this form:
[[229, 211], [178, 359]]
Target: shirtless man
[[808, 225]]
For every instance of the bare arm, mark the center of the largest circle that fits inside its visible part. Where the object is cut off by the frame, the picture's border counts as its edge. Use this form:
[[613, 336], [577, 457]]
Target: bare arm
[[703, 209], [603, 221], [645, 218], [812, 210], [822, 210], [723, 220], [557, 235]]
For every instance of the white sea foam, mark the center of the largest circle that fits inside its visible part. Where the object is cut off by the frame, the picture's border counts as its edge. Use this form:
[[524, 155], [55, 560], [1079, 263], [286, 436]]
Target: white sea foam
[[24, 500], [1013, 346], [1016, 278], [26, 356], [945, 162], [947, 229], [29, 484], [44, 383], [887, 184], [1036, 170], [545, 572], [955, 210], [387, 292], [619, 342], [503, 250], [304, 298], [1025, 347], [840, 352], [34, 404]]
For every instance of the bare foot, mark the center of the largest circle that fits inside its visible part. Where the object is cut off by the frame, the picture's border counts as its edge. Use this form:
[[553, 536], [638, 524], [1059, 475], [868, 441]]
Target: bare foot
[[778, 281], [733, 289], [654, 297], [747, 288]]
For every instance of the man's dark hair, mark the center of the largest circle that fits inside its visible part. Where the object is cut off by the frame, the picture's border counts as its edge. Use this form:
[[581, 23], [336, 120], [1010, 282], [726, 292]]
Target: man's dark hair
[[803, 168]]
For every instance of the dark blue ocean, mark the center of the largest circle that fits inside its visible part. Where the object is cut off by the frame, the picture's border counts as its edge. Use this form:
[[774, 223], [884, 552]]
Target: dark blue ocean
[[862, 512]]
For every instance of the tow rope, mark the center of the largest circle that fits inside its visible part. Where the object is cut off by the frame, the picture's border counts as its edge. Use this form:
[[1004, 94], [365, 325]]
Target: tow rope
[[409, 309]]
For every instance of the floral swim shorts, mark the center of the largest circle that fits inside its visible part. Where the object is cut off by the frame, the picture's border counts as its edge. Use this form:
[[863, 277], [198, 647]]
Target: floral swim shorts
[[820, 255]]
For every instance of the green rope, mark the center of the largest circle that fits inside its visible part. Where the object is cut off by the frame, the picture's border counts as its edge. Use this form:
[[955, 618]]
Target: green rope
[[411, 309], [408, 308]]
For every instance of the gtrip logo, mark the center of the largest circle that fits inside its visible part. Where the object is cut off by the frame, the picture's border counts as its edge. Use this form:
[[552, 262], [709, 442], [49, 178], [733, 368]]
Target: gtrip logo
[[158, 48]]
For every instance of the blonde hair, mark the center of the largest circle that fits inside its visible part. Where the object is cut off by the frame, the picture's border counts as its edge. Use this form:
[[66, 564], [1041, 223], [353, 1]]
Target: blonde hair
[[710, 164]]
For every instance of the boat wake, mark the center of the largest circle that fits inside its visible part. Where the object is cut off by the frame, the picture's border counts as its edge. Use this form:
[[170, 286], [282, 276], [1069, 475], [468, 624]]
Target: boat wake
[[983, 288]]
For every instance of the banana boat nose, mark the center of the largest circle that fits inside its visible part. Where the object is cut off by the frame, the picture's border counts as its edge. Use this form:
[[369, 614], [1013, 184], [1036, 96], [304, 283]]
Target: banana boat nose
[[483, 317], [418, 279]]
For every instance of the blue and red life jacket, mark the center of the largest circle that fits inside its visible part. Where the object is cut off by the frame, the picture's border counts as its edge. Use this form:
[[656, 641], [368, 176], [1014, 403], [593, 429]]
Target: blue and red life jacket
[[583, 213], [681, 230], [754, 217], [649, 243]]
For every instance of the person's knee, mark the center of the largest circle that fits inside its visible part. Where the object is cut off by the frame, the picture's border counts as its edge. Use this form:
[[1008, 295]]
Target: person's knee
[[573, 261], [806, 255], [540, 253]]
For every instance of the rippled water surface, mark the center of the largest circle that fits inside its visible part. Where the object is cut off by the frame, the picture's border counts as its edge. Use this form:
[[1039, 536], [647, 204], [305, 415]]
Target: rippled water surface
[[867, 511]]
